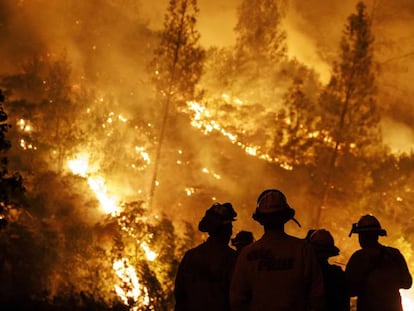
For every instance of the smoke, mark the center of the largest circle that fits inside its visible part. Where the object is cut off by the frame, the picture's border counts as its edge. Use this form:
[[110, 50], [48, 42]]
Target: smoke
[[398, 136], [109, 42], [314, 29]]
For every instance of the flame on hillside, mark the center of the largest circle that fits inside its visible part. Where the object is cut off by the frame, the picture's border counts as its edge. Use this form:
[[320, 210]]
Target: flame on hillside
[[129, 289], [109, 203], [202, 118]]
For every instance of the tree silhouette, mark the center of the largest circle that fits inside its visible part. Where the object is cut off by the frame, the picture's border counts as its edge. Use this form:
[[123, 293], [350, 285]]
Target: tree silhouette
[[261, 40], [177, 66], [351, 117], [42, 103], [298, 130], [11, 185]]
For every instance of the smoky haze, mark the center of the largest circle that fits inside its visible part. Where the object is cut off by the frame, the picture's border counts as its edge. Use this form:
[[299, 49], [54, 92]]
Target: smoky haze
[[314, 30], [113, 38]]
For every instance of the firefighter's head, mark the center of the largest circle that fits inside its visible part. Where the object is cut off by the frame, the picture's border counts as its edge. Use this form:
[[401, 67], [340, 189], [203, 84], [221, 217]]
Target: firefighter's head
[[368, 229], [272, 208], [218, 220], [242, 239], [323, 243]]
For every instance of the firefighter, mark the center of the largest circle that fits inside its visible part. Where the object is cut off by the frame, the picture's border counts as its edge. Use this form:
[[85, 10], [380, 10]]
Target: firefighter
[[337, 298], [204, 274], [242, 239], [278, 271], [375, 273]]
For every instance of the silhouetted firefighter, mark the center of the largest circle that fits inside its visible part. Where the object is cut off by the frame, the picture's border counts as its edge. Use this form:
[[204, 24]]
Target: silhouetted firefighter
[[242, 239], [278, 271], [337, 297], [375, 273], [204, 274]]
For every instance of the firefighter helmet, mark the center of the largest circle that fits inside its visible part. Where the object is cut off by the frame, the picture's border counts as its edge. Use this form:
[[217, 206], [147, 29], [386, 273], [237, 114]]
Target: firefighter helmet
[[323, 243], [216, 216], [368, 223], [273, 202]]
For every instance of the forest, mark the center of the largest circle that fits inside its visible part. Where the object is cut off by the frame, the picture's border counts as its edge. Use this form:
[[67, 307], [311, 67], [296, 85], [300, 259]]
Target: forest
[[116, 137]]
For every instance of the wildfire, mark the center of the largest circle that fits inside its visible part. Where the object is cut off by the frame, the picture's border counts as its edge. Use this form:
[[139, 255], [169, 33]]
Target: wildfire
[[202, 119], [108, 203], [151, 255], [129, 289], [80, 166]]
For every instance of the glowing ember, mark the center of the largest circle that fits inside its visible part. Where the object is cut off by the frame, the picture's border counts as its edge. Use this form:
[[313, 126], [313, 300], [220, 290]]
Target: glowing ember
[[26, 145], [189, 191], [151, 255], [207, 171], [145, 155], [24, 126]]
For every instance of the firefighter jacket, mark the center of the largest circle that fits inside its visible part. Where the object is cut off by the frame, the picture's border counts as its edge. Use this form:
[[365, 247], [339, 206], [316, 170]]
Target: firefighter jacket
[[337, 296], [203, 278], [277, 273], [375, 275]]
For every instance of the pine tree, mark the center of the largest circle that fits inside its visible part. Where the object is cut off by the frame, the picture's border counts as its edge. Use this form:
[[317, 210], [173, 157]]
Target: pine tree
[[351, 115], [350, 97], [260, 37], [297, 132], [178, 66], [42, 103], [178, 61], [257, 66]]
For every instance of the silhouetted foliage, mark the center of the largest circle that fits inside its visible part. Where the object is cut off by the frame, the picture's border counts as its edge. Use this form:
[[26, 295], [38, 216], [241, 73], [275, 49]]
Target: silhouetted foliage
[[261, 39], [11, 185], [351, 122], [178, 60]]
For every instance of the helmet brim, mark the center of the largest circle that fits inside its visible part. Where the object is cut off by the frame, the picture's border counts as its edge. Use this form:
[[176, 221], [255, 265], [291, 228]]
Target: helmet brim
[[326, 251], [284, 215], [380, 232]]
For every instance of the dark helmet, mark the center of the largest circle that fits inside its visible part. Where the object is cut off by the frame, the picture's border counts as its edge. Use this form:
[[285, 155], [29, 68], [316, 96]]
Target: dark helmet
[[242, 238], [217, 216], [273, 202], [368, 223], [323, 243]]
